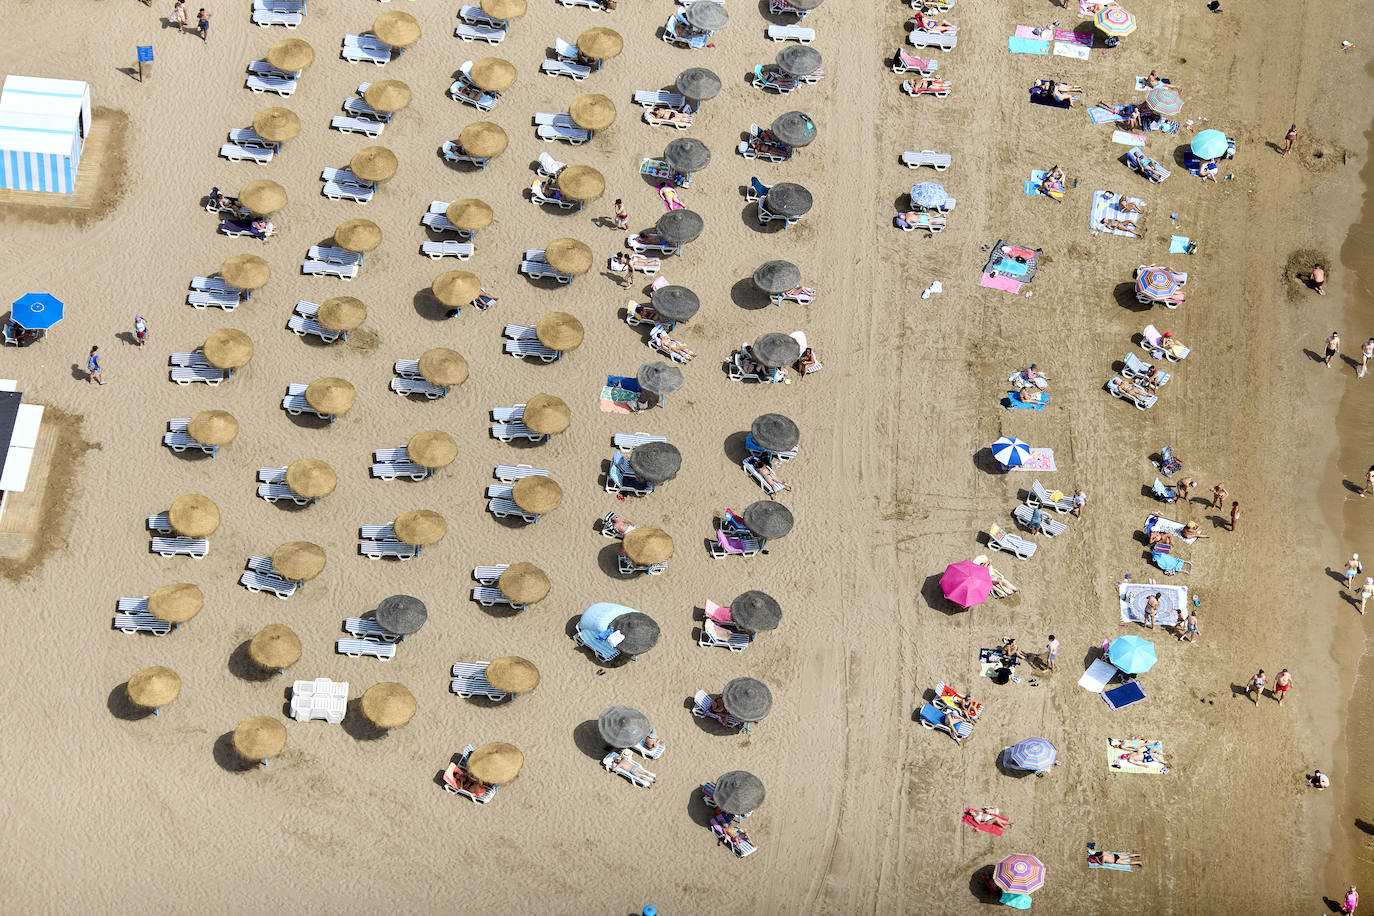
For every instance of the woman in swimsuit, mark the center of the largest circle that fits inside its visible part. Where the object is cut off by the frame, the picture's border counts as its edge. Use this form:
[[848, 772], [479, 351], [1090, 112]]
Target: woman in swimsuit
[[1120, 225], [989, 816], [1114, 858]]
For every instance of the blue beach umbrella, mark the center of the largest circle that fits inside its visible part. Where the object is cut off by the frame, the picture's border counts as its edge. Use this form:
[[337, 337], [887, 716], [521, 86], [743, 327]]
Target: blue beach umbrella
[[1132, 654], [1032, 754], [928, 194], [1209, 144], [37, 311], [1010, 452]]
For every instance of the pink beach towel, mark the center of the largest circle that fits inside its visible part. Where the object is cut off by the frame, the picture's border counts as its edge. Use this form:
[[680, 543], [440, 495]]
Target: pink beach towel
[[1038, 32], [668, 204], [985, 828], [1003, 283], [1074, 38]]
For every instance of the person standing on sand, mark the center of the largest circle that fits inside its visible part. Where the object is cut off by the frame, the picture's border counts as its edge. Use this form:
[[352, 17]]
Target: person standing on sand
[[1235, 514], [140, 330], [203, 24], [1319, 279], [1333, 346], [1051, 652], [1281, 685], [1352, 900], [1368, 481], [1366, 354], [622, 216], [1219, 495], [1189, 628], [1318, 780], [1080, 499], [1184, 486], [1353, 567], [179, 15], [95, 373], [1152, 608], [1256, 688], [1289, 139], [1366, 592]]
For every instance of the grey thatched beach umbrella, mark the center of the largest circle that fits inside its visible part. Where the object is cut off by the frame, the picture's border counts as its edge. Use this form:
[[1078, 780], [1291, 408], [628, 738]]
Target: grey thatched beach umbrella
[[768, 519], [804, 4], [660, 378], [798, 60], [656, 462], [788, 199], [795, 128], [774, 350], [678, 227], [687, 154], [402, 614], [707, 16], [676, 303], [621, 726], [640, 632], [775, 277], [739, 792], [756, 611], [746, 698], [697, 83], [775, 433]]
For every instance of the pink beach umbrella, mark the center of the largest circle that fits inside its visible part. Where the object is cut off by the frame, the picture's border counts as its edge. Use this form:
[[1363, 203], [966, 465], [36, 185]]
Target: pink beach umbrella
[[966, 583], [1115, 21]]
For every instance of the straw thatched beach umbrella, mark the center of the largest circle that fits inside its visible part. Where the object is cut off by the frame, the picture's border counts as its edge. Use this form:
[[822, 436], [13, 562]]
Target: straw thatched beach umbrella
[[275, 646], [504, 9], [707, 16], [697, 84], [443, 367], [640, 632], [774, 349], [746, 698], [176, 603], [432, 449], [581, 183], [678, 227], [153, 688], [259, 738], [546, 414], [739, 792], [647, 546], [311, 478], [403, 614], [193, 516], [795, 128], [341, 313], [358, 235], [768, 519], [496, 763], [373, 163], [774, 277], [299, 561], [483, 139], [419, 527], [788, 200], [396, 28], [600, 43], [213, 427], [492, 74], [568, 256], [804, 4], [469, 213], [291, 55], [756, 611], [687, 154], [622, 726], [456, 287], [660, 378], [559, 331], [536, 494], [276, 124], [331, 396], [387, 95], [227, 348], [388, 705], [676, 303], [512, 674], [798, 60], [245, 271], [524, 583], [775, 433], [656, 462], [262, 196]]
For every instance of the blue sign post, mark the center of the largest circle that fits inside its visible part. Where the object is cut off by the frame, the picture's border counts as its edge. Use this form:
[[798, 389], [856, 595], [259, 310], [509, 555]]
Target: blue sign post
[[145, 56]]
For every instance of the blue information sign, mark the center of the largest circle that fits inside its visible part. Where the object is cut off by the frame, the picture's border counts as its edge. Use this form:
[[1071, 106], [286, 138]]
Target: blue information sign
[[145, 54]]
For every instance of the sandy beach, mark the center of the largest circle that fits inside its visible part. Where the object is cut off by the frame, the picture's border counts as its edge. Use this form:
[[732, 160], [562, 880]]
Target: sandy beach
[[114, 812]]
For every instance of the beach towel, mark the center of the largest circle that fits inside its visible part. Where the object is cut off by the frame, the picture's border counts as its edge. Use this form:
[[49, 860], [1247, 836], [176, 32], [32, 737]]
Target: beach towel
[[1171, 598], [1005, 284], [619, 394], [1072, 49], [1113, 866], [1116, 765], [1125, 695], [1037, 32], [1087, 8], [1140, 83], [1178, 244], [1041, 459], [985, 828], [1074, 38], [1017, 45], [1031, 188], [1044, 98], [1099, 674], [1126, 138], [1099, 115], [1105, 207]]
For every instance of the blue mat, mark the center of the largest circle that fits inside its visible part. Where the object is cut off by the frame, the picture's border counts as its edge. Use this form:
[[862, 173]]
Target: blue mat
[[1178, 244], [1031, 188], [1027, 46], [1124, 695]]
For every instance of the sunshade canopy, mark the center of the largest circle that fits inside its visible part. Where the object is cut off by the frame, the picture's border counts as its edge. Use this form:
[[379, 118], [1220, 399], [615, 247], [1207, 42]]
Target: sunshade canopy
[[504, 9], [483, 139], [640, 632], [397, 28], [193, 516], [1132, 654], [1010, 452], [496, 763], [768, 519], [403, 614], [592, 111], [706, 15], [622, 726], [774, 349], [546, 414], [581, 182], [311, 478], [227, 348], [276, 124], [774, 432], [388, 705], [600, 43], [1209, 144], [358, 235], [568, 256], [928, 194], [444, 367], [262, 196], [756, 611], [747, 698], [432, 448], [333, 396], [1115, 21], [697, 83], [37, 311], [676, 303], [1019, 874], [798, 60], [687, 154], [387, 95], [775, 277], [536, 494], [513, 674], [213, 427], [656, 462], [659, 377], [275, 646], [678, 227], [739, 792], [176, 603], [1164, 100], [1032, 754], [456, 287], [469, 213], [559, 331], [299, 561], [523, 583], [1157, 282], [291, 55], [419, 527], [259, 738], [245, 271], [966, 583], [785, 198], [492, 74], [154, 687], [795, 128], [646, 546], [341, 313], [373, 163]]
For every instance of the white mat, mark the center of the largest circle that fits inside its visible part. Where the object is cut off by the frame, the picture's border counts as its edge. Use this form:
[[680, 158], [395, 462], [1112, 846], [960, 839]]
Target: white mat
[[1171, 599]]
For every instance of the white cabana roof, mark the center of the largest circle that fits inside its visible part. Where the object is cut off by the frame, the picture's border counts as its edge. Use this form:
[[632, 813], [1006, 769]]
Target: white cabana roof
[[21, 445], [35, 94], [37, 133]]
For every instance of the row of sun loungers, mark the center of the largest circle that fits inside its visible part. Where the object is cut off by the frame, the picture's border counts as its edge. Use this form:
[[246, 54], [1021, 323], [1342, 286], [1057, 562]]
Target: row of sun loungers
[[288, 13], [395, 463], [378, 541], [367, 49], [272, 487], [342, 184]]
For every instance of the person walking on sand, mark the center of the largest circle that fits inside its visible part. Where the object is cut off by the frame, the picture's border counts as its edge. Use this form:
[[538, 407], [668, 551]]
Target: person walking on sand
[[1235, 513], [203, 24], [1184, 486], [1318, 276], [1366, 354], [1080, 499], [622, 216], [1368, 481], [1219, 495], [1051, 652], [1353, 567], [1333, 346], [1289, 139], [179, 15], [1190, 631], [1352, 900], [1256, 688], [1366, 592], [1281, 685], [140, 330], [95, 373], [1152, 608]]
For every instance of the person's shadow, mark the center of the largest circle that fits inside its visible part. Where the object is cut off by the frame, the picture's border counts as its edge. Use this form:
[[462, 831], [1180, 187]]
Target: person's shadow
[[1313, 355], [127, 337], [1331, 905], [1336, 574], [1274, 146]]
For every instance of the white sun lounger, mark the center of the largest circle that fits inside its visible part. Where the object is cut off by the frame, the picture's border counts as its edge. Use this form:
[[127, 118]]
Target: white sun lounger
[[335, 190], [329, 269], [507, 414], [510, 473], [470, 680], [558, 67], [657, 338], [367, 628], [272, 475], [213, 285], [523, 348], [195, 548], [178, 440], [573, 135], [538, 199], [258, 82], [589, 4], [488, 575], [1145, 403], [391, 470], [407, 368], [454, 153], [141, 623], [490, 597], [405, 387], [256, 580], [332, 255], [235, 152], [914, 159], [509, 432], [490, 34], [319, 699], [758, 478], [1039, 496], [636, 774], [359, 108], [376, 549], [438, 222], [1001, 540], [791, 33], [628, 442], [1151, 343], [348, 125], [344, 176], [278, 490], [632, 242], [945, 41], [269, 17], [1053, 527], [447, 248], [477, 16], [377, 532], [538, 270], [185, 375], [263, 68], [159, 523], [303, 326], [357, 648], [713, 634], [351, 51], [137, 605], [505, 508], [295, 403], [656, 98], [204, 298]]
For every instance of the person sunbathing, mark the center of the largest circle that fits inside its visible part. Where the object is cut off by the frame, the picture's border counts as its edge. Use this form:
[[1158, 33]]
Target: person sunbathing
[[467, 91], [1031, 375], [1121, 225], [1208, 170], [769, 147], [262, 229], [614, 523], [549, 189], [1126, 205], [1193, 530], [625, 760], [1161, 537], [717, 707], [1060, 92], [806, 362], [674, 347], [1098, 857], [989, 816], [669, 197], [1150, 753], [484, 301], [733, 834], [670, 115], [1132, 390], [925, 84], [465, 783], [951, 721], [1169, 345], [1031, 396], [800, 292], [1010, 652], [1152, 80], [224, 202], [648, 238], [651, 742], [1150, 381], [924, 24]]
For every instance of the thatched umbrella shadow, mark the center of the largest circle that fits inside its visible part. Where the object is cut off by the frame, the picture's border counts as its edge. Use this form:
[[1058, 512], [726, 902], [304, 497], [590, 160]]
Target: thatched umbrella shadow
[[229, 759], [357, 725], [121, 707], [242, 666]]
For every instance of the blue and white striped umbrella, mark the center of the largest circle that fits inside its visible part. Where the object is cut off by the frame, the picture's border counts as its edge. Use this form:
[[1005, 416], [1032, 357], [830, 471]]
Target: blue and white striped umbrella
[[1032, 754], [928, 194], [1010, 452]]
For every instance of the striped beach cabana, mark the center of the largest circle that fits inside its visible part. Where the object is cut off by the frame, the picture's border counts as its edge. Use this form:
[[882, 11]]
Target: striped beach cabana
[[43, 126]]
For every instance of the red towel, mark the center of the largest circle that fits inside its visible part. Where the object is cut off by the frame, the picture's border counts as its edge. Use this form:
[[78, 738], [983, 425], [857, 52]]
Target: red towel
[[986, 828]]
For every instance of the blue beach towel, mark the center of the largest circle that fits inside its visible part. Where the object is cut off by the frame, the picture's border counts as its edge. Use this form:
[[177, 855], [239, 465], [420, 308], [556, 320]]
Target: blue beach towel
[[1124, 695], [1178, 244], [1100, 115], [1018, 45], [1031, 188]]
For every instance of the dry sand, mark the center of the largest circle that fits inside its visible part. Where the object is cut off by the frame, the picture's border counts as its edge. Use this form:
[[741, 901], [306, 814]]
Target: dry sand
[[153, 815]]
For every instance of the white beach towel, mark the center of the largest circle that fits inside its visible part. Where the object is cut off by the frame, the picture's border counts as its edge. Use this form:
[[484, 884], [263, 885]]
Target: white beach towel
[[1171, 599], [1072, 49]]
